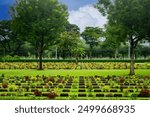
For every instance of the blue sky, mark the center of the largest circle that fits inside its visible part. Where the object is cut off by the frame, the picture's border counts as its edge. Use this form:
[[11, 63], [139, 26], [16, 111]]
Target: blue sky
[[76, 4], [72, 5], [81, 12]]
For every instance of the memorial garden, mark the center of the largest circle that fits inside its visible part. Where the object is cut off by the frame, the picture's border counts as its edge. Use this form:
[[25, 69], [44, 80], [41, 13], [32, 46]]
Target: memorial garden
[[45, 57]]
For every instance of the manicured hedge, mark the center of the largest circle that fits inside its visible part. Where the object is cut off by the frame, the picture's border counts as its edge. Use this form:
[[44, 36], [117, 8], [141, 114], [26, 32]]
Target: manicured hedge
[[73, 60]]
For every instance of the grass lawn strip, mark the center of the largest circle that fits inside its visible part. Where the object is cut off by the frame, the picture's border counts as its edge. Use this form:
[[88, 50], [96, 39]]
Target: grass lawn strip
[[72, 72]]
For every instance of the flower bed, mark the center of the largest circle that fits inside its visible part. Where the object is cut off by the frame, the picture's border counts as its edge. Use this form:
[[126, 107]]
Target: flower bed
[[71, 65]]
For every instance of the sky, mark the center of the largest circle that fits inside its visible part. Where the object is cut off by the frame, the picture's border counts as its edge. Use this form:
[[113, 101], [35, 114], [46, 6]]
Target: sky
[[81, 12]]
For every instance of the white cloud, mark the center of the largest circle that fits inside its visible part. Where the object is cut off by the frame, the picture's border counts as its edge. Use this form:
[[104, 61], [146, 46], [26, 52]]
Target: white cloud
[[86, 16]]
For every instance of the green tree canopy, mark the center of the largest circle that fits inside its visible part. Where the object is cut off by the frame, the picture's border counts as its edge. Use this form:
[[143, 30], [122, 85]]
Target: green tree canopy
[[92, 36], [134, 18], [40, 22], [71, 43], [8, 39], [114, 37], [72, 27]]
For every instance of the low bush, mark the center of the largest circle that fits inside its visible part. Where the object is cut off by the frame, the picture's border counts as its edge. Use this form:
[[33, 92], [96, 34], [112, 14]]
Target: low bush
[[17, 59], [4, 85], [52, 95], [37, 92], [144, 93]]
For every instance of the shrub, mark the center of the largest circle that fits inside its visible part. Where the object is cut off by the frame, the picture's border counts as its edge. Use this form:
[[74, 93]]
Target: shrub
[[3, 94], [32, 85], [145, 85], [90, 88], [12, 88], [10, 58], [3, 75], [17, 59], [52, 95], [50, 83], [60, 85], [146, 77], [4, 85], [27, 78], [37, 92], [20, 91], [73, 96], [134, 96], [122, 87], [109, 95], [121, 80], [1, 79], [74, 86], [51, 79], [63, 81], [105, 88], [144, 93]]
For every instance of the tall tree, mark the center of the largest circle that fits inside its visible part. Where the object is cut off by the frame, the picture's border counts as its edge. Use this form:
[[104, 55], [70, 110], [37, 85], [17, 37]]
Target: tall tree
[[70, 42], [8, 39], [92, 37], [40, 22], [134, 18], [114, 38]]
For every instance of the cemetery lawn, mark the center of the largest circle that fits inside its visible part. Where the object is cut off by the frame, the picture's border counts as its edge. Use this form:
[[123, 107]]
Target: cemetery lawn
[[32, 72]]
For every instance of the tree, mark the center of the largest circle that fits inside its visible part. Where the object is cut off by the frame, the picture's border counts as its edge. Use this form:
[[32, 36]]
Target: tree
[[114, 38], [78, 51], [92, 35], [133, 16], [72, 27], [70, 42], [8, 39], [40, 22], [145, 51]]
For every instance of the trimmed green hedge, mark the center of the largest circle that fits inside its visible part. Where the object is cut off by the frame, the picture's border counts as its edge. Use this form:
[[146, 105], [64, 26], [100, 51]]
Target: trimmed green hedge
[[73, 60]]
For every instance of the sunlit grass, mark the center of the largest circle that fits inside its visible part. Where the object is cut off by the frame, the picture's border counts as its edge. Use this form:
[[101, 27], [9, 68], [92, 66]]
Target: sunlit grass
[[71, 72]]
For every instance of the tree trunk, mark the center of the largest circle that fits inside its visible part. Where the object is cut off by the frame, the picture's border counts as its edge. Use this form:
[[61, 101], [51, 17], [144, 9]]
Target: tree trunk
[[56, 53], [40, 60], [76, 59], [90, 52], [36, 54], [41, 54], [129, 51], [132, 57], [37, 57], [36, 51], [116, 53]]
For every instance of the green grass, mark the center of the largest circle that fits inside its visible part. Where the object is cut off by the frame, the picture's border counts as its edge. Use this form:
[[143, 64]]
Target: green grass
[[71, 72], [68, 98]]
